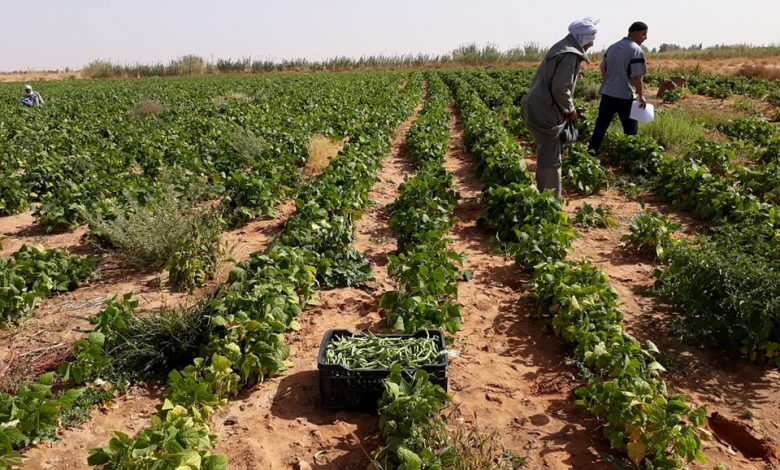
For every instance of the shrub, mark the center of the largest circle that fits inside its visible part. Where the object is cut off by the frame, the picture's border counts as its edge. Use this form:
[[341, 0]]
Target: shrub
[[728, 290], [147, 234], [195, 257], [247, 146]]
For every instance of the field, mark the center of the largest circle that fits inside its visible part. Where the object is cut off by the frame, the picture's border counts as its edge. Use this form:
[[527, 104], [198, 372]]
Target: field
[[175, 249]]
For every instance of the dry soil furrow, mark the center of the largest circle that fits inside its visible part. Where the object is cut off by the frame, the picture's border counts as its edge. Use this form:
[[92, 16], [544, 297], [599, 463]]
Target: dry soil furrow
[[511, 376]]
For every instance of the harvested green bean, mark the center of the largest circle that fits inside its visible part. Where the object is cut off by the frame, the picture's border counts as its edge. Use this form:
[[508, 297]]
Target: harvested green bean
[[372, 352]]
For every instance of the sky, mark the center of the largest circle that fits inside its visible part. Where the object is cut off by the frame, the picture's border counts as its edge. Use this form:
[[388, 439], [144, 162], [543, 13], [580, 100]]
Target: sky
[[54, 34]]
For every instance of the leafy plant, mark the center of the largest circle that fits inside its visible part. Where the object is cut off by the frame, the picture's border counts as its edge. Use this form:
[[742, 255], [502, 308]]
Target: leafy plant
[[750, 130], [32, 274], [651, 233], [639, 155], [180, 439], [195, 257], [728, 290], [406, 410], [582, 170], [716, 157], [673, 95], [425, 205], [656, 430], [427, 277], [31, 414], [590, 216], [530, 224]]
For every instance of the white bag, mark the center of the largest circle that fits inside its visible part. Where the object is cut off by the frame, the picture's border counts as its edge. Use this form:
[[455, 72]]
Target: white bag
[[642, 115]]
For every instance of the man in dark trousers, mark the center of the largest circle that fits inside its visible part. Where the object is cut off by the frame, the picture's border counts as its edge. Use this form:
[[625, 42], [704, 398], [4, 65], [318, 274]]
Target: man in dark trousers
[[622, 70]]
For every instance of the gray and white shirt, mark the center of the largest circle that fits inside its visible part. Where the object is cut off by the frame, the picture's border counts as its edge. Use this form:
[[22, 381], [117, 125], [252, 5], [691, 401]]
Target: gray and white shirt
[[622, 61], [35, 98]]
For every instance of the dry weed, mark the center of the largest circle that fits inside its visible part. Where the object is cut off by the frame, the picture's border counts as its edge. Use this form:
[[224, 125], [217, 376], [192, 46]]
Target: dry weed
[[321, 149], [763, 70], [247, 145], [222, 100], [147, 107]]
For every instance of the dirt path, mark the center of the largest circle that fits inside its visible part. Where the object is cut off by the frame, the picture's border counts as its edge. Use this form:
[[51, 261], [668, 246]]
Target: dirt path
[[511, 376]]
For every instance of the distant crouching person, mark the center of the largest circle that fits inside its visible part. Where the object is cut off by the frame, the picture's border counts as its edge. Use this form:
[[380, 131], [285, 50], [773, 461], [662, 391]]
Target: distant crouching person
[[31, 98]]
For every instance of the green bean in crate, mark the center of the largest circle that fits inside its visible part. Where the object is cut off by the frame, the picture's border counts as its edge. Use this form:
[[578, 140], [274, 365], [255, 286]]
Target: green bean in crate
[[353, 370], [374, 352]]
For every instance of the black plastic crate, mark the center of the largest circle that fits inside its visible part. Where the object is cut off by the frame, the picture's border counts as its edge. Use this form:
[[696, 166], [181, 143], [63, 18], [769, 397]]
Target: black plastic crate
[[362, 388]]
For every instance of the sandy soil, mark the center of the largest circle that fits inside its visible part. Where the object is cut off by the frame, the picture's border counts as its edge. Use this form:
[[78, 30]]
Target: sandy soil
[[39, 76]]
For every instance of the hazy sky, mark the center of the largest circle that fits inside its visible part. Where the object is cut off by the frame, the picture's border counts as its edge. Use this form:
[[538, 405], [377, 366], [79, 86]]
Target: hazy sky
[[51, 34]]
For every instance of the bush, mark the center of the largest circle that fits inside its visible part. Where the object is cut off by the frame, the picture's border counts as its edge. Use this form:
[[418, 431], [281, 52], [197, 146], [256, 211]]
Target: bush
[[148, 234], [729, 296], [195, 257], [147, 107]]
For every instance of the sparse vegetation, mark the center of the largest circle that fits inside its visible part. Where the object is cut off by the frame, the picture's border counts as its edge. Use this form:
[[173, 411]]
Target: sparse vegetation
[[147, 107]]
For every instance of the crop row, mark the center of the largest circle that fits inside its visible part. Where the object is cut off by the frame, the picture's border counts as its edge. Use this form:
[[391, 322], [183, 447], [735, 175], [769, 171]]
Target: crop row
[[130, 157], [641, 418], [32, 274], [721, 86], [727, 287], [425, 269], [738, 266], [426, 272]]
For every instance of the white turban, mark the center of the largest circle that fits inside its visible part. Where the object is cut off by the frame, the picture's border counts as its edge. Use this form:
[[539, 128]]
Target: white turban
[[584, 30]]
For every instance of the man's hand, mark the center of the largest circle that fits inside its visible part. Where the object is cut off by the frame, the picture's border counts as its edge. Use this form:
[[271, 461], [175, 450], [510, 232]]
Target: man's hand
[[642, 102], [572, 116]]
